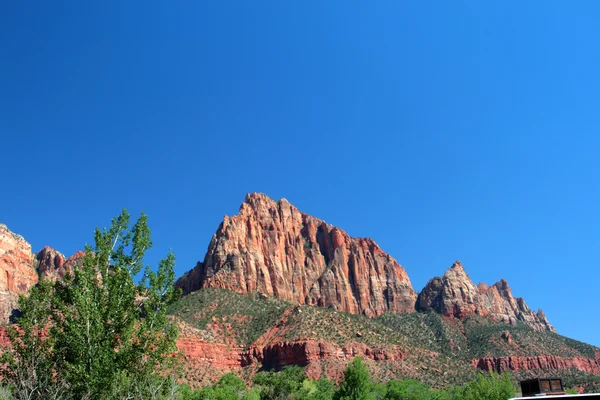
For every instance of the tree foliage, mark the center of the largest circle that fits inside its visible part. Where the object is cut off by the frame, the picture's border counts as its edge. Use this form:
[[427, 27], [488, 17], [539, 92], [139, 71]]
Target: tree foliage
[[357, 382], [106, 334], [490, 386]]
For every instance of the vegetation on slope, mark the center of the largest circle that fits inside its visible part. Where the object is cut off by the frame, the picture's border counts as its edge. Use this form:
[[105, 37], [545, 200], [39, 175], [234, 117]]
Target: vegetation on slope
[[438, 351], [292, 384], [229, 317]]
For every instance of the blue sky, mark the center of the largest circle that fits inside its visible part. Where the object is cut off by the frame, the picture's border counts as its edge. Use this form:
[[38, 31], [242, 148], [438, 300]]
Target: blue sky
[[452, 130]]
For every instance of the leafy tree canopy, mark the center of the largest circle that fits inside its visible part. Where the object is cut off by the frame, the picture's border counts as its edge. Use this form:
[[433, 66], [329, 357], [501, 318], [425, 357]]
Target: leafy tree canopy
[[97, 333]]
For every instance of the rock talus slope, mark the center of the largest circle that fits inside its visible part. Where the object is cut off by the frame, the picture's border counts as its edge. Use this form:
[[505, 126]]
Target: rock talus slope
[[272, 248], [455, 295]]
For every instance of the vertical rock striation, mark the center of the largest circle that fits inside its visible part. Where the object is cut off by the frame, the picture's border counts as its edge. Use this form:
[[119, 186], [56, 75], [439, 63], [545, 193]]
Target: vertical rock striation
[[17, 274], [455, 295], [272, 248], [20, 269]]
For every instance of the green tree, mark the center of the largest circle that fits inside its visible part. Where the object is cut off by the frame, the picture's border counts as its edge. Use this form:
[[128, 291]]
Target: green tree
[[321, 389], [28, 366], [107, 334], [407, 390], [356, 384], [280, 385], [490, 386], [229, 387]]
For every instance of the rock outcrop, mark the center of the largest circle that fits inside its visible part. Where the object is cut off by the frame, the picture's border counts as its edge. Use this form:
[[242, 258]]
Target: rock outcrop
[[455, 295], [50, 263], [20, 269], [273, 248], [17, 273], [502, 364], [302, 353]]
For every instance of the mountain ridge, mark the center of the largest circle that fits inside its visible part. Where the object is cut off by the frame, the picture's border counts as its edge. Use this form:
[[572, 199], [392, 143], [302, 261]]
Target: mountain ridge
[[250, 304], [268, 244]]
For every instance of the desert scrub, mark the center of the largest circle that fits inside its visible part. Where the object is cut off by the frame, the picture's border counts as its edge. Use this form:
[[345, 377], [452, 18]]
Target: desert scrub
[[236, 317]]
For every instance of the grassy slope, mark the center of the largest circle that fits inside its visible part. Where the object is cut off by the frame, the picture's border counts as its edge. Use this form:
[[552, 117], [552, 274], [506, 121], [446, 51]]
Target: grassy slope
[[438, 350]]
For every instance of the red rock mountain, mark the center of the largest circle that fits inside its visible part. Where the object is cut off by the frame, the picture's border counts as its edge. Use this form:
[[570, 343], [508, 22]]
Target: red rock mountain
[[272, 248], [20, 269], [17, 273], [455, 295]]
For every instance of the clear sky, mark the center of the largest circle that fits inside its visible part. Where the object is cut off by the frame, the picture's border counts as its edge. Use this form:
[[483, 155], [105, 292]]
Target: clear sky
[[444, 130]]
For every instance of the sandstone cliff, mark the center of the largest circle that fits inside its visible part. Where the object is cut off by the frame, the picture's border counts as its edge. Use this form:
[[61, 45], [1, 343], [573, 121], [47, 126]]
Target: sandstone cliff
[[455, 295], [20, 269], [273, 248], [502, 364], [50, 263], [17, 273]]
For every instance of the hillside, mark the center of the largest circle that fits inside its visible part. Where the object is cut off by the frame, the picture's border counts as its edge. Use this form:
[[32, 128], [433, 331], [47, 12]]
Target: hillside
[[264, 332]]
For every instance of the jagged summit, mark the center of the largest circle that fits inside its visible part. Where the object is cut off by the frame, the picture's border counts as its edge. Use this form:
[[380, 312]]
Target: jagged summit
[[272, 248], [455, 295], [20, 268]]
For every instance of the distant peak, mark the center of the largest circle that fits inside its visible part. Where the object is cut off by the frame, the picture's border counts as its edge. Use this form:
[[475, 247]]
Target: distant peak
[[456, 269], [502, 284], [256, 196], [49, 250], [16, 236]]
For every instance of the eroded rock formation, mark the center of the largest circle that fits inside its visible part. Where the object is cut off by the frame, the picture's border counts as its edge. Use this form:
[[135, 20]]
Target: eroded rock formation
[[50, 263], [455, 295], [501, 364], [20, 269], [273, 248], [17, 273]]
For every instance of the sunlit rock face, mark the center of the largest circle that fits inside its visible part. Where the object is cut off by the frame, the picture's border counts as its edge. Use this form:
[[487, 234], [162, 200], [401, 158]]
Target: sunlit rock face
[[272, 248], [455, 295], [17, 273], [20, 269]]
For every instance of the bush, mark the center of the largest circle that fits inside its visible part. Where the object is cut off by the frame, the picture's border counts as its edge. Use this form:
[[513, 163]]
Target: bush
[[487, 387], [356, 384]]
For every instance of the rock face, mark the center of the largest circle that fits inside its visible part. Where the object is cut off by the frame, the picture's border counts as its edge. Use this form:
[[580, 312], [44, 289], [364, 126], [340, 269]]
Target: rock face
[[502, 364], [455, 295], [273, 248], [20, 269], [17, 274], [302, 353], [50, 263]]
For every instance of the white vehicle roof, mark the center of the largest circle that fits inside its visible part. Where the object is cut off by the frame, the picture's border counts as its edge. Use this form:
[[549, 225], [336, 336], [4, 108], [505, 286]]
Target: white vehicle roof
[[562, 396]]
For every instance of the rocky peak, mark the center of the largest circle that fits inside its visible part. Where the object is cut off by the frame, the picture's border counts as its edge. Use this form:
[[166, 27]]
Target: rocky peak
[[50, 263], [272, 248], [17, 274], [456, 296], [14, 244], [20, 269]]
